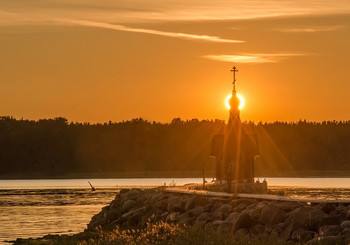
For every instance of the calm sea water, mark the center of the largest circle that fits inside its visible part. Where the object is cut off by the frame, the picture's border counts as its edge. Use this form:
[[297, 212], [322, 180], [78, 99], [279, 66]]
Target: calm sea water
[[33, 208]]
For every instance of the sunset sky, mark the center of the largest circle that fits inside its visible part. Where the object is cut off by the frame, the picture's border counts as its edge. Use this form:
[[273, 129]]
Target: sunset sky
[[102, 60]]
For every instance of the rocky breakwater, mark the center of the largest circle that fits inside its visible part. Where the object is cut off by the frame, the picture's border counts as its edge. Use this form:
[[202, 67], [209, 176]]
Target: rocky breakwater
[[287, 221]]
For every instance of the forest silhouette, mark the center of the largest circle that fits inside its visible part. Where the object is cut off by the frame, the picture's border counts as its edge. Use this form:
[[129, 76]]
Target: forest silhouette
[[57, 148]]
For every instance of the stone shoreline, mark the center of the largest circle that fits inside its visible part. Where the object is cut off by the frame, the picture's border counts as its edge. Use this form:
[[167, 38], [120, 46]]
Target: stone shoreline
[[328, 223]]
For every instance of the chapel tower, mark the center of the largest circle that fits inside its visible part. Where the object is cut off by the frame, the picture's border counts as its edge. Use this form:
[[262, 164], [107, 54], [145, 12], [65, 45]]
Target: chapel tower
[[232, 138]]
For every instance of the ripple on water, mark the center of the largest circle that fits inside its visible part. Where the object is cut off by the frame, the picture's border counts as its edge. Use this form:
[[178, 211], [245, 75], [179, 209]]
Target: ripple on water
[[314, 193], [35, 213]]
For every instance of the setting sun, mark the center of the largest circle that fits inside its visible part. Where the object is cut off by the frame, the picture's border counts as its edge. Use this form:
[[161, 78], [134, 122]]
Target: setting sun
[[241, 101]]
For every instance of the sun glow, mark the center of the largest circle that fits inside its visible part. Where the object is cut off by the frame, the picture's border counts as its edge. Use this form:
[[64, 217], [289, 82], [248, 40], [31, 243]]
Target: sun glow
[[240, 98]]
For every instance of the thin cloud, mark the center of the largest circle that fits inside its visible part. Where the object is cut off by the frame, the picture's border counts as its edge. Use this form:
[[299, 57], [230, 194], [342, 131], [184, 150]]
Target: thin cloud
[[147, 31], [315, 29], [251, 58], [140, 11], [10, 18]]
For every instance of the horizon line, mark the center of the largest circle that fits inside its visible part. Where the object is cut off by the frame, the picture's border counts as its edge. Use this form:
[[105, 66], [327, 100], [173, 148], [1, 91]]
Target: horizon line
[[4, 117]]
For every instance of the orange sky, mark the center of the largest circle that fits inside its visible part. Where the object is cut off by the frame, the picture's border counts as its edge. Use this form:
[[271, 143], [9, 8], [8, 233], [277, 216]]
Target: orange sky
[[101, 60]]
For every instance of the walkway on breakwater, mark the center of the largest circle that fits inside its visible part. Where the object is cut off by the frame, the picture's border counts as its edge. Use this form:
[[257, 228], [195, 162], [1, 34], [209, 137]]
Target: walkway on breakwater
[[186, 190]]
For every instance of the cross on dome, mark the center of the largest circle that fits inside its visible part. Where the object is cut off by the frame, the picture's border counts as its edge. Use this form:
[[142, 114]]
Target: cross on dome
[[234, 70]]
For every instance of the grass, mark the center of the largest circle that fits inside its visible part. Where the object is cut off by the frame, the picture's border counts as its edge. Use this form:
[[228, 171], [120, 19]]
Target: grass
[[159, 233]]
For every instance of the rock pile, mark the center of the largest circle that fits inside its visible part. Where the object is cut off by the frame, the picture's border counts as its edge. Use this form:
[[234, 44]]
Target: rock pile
[[289, 221]]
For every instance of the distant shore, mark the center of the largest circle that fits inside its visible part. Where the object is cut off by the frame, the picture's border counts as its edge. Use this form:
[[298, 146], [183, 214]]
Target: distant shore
[[170, 174]]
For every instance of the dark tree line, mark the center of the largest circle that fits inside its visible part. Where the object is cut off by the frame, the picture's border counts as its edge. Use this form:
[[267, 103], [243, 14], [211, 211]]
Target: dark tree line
[[55, 147]]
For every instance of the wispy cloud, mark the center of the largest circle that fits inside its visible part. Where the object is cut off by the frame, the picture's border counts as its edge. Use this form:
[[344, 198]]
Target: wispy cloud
[[315, 29], [147, 31], [140, 11], [251, 58]]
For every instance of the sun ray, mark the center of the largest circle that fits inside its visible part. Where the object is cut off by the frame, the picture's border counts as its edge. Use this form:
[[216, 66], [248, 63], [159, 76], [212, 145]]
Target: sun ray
[[240, 98]]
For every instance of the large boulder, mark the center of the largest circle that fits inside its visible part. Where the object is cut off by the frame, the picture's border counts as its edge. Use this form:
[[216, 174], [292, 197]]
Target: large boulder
[[128, 205], [134, 217], [123, 191], [131, 218], [271, 214], [196, 211], [287, 232], [302, 236], [185, 218], [101, 214], [240, 207], [98, 223], [216, 204], [327, 207], [328, 240], [175, 204], [112, 215], [222, 211], [232, 217], [152, 215], [194, 201], [204, 218], [317, 218], [276, 230], [161, 204], [208, 207], [345, 224], [154, 198], [254, 210], [306, 217], [289, 206], [345, 233], [115, 204], [329, 230], [98, 219], [131, 194], [333, 219], [299, 218], [225, 208], [243, 221], [241, 204]]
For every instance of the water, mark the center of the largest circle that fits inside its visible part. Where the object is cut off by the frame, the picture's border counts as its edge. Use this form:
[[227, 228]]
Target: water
[[34, 208]]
